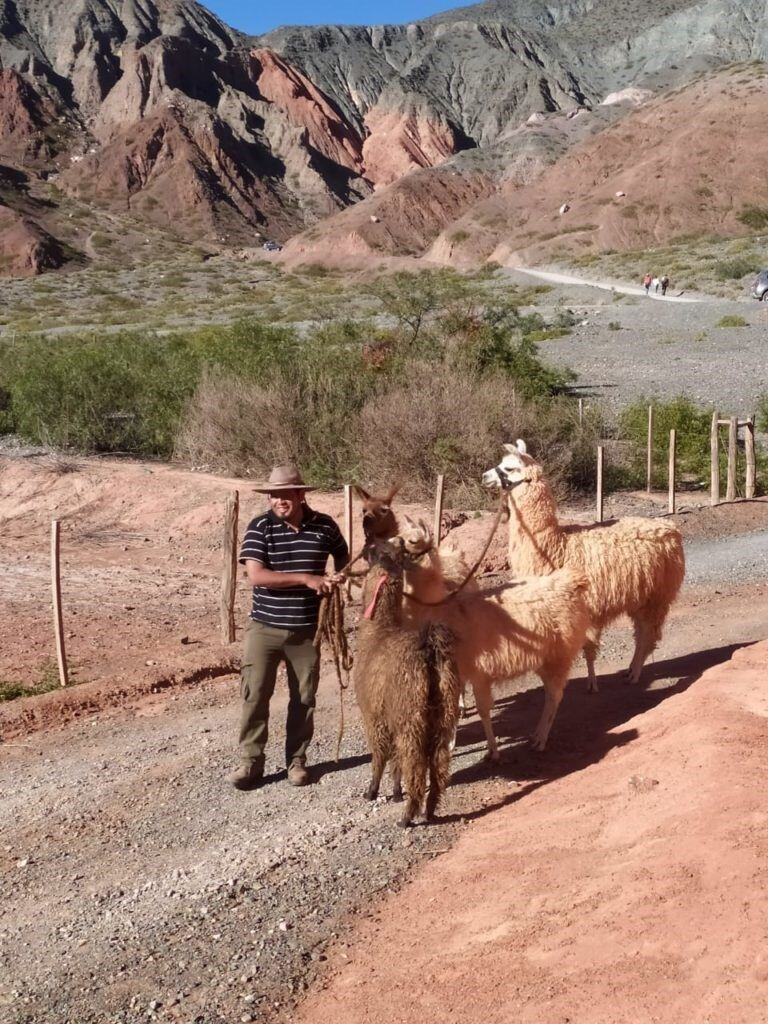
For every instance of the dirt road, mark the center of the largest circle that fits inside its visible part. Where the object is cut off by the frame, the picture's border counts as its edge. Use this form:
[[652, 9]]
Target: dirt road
[[557, 277]]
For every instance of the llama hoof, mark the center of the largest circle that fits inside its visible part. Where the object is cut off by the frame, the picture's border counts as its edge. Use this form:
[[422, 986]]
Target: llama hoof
[[492, 757], [370, 793], [538, 746], [593, 688], [397, 796], [633, 678], [405, 823]]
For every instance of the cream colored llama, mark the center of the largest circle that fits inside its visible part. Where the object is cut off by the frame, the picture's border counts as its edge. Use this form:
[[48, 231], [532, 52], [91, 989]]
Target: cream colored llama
[[529, 625], [634, 566], [439, 570]]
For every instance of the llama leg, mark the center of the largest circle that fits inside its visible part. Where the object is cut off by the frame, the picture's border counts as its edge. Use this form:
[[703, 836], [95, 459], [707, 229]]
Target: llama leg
[[397, 782], [648, 625], [414, 772], [439, 773], [591, 647], [484, 705], [554, 684], [378, 761]]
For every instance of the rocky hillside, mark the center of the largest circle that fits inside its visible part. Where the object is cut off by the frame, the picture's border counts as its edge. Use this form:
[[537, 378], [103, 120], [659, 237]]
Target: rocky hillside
[[120, 118]]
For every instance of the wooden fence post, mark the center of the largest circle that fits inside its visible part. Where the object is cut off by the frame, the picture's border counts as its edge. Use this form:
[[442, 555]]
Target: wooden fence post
[[733, 433], [749, 454], [714, 478], [672, 468], [58, 623], [229, 574], [649, 454], [348, 517], [439, 509], [600, 461]]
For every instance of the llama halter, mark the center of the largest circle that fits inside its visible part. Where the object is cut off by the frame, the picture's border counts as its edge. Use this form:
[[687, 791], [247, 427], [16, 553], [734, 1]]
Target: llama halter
[[504, 481]]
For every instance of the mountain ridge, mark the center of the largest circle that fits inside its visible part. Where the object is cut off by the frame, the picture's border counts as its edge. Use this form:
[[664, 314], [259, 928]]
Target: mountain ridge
[[162, 113]]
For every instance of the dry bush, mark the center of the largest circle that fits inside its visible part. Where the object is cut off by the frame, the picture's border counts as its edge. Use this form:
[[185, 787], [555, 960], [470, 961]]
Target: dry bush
[[237, 427], [446, 421]]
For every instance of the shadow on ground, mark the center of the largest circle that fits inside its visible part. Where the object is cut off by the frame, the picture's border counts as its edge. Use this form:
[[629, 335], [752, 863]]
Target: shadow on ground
[[584, 730]]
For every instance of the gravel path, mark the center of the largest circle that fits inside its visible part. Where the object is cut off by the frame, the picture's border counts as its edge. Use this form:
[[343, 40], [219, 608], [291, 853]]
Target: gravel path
[[556, 277], [663, 350], [743, 559]]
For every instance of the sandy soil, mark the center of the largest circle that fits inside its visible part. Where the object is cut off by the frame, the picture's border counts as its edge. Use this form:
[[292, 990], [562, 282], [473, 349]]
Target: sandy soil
[[577, 889]]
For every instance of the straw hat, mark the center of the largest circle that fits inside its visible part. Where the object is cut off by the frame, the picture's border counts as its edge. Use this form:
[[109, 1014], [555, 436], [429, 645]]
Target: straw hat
[[283, 478]]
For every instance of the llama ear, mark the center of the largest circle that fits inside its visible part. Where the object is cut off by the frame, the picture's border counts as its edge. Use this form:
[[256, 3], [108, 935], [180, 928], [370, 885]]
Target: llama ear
[[425, 529], [362, 494], [511, 449], [408, 519], [391, 494], [522, 446]]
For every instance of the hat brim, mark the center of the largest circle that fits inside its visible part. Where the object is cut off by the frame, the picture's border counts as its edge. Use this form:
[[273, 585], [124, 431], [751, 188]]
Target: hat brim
[[269, 488]]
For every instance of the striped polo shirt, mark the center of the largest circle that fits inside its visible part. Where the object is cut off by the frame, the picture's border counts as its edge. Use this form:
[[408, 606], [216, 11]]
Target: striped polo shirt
[[278, 547]]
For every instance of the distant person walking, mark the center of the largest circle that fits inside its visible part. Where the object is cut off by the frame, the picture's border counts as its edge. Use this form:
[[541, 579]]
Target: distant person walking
[[656, 282], [664, 284], [647, 283], [285, 551]]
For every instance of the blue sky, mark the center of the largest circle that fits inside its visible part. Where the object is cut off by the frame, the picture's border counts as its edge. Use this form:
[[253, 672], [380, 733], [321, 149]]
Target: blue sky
[[257, 16]]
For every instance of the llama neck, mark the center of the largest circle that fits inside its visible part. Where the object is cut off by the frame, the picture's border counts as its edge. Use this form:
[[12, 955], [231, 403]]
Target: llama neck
[[388, 611], [535, 537], [426, 581]]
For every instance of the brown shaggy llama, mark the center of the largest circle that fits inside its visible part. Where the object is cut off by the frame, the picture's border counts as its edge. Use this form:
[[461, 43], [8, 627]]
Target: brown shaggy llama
[[634, 566], [529, 625], [379, 521], [407, 687]]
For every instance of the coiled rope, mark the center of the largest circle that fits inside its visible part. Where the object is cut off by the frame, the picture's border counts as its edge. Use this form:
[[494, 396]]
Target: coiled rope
[[330, 631]]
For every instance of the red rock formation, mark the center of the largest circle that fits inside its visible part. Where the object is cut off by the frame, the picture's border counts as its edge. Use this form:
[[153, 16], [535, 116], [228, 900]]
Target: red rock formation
[[307, 107], [23, 113], [25, 248], [400, 142]]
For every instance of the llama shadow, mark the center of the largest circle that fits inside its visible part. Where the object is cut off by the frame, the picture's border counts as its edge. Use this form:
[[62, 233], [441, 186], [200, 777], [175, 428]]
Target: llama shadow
[[583, 732]]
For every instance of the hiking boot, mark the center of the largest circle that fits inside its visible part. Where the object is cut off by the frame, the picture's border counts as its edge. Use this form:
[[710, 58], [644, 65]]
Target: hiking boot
[[298, 774], [247, 776]]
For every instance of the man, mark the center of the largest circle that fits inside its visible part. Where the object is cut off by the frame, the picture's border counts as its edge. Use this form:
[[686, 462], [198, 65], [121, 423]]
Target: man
[[285, 552]]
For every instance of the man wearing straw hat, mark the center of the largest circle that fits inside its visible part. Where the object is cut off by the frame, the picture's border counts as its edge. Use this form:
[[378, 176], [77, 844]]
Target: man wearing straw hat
[[285, 552]]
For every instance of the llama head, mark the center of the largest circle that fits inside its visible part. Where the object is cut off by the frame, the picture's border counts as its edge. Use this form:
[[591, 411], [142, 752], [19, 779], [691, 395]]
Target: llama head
[[416, 537], [516, 468], [379, 521]]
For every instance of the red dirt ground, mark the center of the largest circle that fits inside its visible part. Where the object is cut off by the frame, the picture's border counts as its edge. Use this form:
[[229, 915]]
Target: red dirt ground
[[634, 890]]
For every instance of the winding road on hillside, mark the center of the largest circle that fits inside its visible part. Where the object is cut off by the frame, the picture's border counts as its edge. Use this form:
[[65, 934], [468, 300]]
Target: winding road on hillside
[[556, 277]]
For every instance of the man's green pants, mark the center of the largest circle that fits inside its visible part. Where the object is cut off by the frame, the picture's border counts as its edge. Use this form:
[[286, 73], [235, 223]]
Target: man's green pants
[[265, 647]]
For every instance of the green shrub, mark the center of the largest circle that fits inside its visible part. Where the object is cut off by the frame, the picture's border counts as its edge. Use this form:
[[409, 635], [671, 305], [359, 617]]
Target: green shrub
[[733, 270], [732, 321], [120, 392], [755, 217], [692, 426], [761, 418]]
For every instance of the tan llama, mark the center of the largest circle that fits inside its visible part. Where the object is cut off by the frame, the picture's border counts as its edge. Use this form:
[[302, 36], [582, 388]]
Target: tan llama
[[634, 566]]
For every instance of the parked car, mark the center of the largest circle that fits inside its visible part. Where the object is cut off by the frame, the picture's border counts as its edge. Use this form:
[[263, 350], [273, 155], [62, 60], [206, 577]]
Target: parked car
[[760, 287], [272, 247]]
